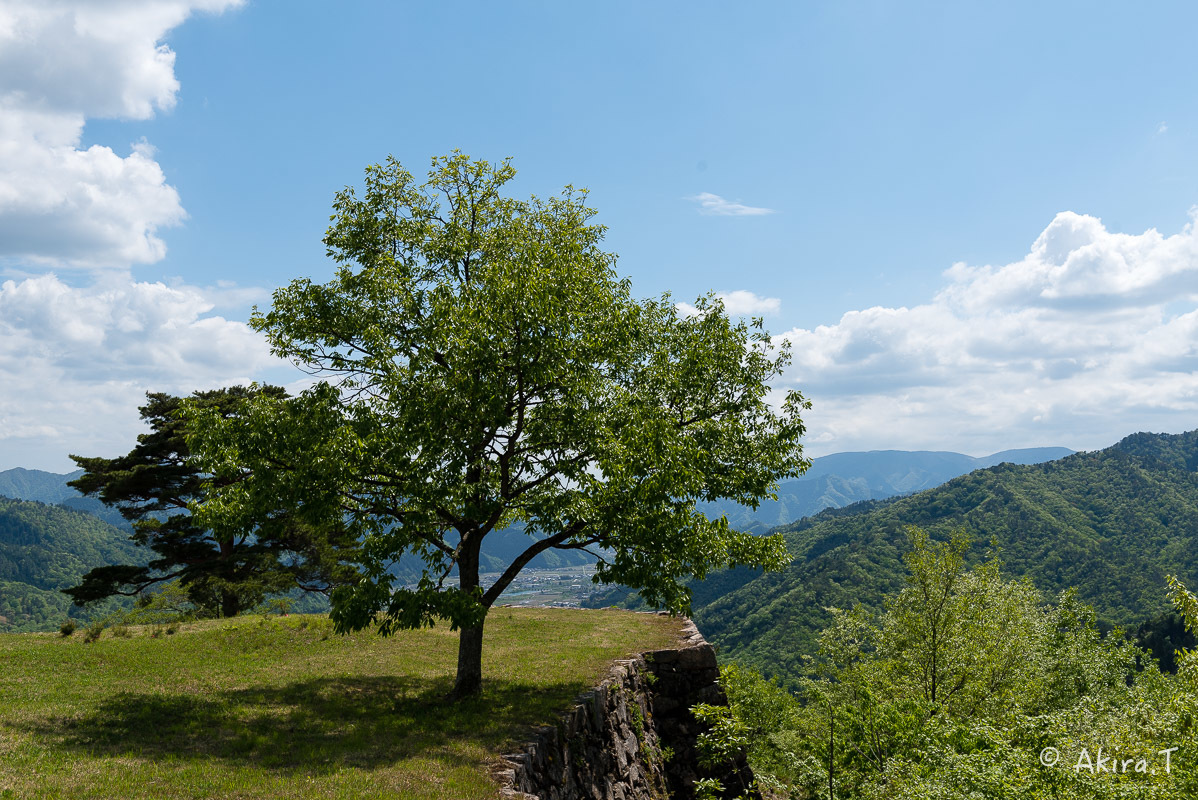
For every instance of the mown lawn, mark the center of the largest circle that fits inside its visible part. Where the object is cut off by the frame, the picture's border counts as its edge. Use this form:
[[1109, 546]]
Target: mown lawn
[[282, 707]]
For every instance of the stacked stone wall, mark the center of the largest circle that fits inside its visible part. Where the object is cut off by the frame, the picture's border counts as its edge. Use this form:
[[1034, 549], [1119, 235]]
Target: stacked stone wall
[[633, 737]]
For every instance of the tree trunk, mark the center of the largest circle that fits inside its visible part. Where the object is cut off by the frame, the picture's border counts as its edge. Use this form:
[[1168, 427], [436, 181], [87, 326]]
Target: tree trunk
[[470, 663], [469, 681], [230, 604]]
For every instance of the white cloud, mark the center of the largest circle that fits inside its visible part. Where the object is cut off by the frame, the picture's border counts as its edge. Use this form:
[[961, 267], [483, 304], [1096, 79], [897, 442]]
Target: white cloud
[[715, 205], [743, 303], [1091, 336], [62, 62], [740, 303], [75, 363], [1162, 128]]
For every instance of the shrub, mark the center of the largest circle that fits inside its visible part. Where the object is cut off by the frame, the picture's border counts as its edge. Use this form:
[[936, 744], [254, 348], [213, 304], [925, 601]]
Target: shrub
[[67, 627], [93, 631]]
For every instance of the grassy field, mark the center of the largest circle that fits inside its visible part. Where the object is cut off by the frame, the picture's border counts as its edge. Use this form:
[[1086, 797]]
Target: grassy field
[[282, 707]]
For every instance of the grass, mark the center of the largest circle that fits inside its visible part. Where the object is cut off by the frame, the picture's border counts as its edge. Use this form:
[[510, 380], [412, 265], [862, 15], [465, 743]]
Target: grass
[[284, 708]]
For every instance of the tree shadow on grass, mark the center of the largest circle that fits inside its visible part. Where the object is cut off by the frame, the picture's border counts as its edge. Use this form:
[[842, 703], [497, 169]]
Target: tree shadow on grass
[[314, 726]]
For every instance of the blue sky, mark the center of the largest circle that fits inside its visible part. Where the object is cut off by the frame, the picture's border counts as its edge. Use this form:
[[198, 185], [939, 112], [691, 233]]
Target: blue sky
[[165, 165]]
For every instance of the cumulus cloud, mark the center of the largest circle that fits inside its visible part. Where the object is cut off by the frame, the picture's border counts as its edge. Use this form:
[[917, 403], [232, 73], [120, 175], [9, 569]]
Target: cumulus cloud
[[1091, 336], [714, 205], [76, 362], [740, 303], [62, 62]]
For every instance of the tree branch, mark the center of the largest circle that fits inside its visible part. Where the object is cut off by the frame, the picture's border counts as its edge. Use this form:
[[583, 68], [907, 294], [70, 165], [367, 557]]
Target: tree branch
[[522, 560]]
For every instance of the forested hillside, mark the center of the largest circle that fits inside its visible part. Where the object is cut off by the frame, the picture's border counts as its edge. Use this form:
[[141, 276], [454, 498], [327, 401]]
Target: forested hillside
[[842, 479], [45, 548], [1112, 523]]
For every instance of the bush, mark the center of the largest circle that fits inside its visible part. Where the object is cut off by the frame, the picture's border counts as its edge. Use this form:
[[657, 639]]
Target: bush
[[275, 606], [93, 631], [68, 627]]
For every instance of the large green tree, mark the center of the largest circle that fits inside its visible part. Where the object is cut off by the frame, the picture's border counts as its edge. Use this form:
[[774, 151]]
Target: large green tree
[[480, 364], [224, 569]]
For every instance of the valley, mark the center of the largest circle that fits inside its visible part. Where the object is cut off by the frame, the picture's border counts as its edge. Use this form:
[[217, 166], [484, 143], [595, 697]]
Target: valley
[[561, 587]]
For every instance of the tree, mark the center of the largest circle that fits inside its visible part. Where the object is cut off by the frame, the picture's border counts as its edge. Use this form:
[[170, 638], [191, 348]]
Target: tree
[[963, 638], [482, 365], [1022, 689], [225, 570], [1163, 637]]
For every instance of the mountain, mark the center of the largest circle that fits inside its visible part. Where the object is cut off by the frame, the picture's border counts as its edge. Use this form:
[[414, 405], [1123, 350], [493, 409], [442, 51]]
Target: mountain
[[841, 479], [45, 548], [831, 482], [1112, 523], [42, 487], [51, 488]]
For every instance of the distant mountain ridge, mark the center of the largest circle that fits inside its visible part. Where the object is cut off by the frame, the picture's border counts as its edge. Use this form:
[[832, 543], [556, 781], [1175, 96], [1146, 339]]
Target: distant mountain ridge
[[38, 486], [832, 481], [841, 479]]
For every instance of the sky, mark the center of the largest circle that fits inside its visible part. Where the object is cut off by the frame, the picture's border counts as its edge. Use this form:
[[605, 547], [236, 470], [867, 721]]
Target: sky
[[974, 224]]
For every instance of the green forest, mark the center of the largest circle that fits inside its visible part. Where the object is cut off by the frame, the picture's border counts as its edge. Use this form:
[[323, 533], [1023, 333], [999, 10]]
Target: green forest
[[44, 549]]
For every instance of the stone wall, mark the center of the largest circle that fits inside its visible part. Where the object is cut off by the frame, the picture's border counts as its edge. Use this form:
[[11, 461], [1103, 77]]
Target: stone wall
[[630, 738]]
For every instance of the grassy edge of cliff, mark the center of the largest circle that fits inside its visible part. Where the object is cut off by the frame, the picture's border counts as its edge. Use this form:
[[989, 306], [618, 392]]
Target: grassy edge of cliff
[[283, 707]]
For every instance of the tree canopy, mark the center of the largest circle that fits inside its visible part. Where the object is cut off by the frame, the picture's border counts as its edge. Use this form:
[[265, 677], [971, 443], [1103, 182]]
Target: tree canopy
[[969, 685], [481, 364], [224, 569]]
